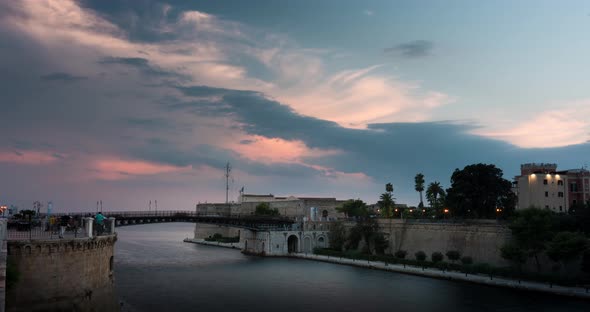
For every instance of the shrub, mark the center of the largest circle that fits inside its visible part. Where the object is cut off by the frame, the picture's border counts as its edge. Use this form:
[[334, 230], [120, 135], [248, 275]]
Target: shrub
[[436, 257], [467, 260], [420, 255], [401, 254], [453, 255]]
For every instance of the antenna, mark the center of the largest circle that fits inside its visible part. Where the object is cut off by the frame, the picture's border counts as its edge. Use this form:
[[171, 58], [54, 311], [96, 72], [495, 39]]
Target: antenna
[[150, 206], [227, 175], [156, 202]]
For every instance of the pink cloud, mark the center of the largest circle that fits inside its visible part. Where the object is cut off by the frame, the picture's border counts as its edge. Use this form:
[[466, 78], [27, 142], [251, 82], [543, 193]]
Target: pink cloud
[[116, 169], [263, 149], [568, 125], [29, 157]]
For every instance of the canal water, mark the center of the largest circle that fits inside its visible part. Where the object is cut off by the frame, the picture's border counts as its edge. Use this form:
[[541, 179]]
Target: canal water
[[156, 271]]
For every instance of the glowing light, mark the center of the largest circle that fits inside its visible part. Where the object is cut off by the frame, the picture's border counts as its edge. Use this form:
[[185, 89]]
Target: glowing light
[[446, 210]]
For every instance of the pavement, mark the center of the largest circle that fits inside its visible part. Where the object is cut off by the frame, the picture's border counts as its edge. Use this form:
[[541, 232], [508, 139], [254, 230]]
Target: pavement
[[578, 292]]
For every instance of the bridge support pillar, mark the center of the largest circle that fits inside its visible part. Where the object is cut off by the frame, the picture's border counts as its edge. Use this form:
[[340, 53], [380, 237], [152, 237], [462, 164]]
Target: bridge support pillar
[[88, 226], [112, 223]]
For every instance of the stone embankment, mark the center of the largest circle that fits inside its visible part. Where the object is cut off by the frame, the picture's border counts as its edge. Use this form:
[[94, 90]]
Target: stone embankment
[[216, 244], [578, 292]]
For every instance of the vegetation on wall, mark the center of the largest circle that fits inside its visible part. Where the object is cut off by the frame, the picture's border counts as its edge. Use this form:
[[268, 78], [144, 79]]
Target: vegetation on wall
[[263, 209], [539, 231]]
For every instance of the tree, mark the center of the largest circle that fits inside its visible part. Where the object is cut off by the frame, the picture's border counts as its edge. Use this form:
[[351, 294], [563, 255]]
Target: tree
[[400, 254], [435, 195], [419, 186], [263, 209], [354, 208], [453, 255], [566, 246], [420, 255], [386, 201], [368, 231], [337, 236], [531, 229], [436, 257], [515, 254], [478, 190]]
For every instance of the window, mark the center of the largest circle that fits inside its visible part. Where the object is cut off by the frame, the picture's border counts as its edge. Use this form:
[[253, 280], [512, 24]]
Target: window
[[546, 206], [560, 182], [546, 194], [573, 187], [559, 194], [545, 181], [560, 208]]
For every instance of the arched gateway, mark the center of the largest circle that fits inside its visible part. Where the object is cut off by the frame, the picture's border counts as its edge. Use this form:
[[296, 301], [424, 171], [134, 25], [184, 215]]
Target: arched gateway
[[293, 244]]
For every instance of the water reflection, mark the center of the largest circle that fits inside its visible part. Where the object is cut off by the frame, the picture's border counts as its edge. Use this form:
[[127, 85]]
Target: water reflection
[[156, 271]]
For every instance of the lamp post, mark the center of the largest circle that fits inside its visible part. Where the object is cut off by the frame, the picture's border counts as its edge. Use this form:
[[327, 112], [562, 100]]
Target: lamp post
[[446, 211]]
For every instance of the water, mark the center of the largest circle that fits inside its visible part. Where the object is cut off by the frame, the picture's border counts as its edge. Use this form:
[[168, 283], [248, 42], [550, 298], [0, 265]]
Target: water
[[156, 271]]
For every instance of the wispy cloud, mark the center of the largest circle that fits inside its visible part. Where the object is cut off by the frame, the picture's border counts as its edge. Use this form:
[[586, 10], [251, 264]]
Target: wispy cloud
[[412, 49]]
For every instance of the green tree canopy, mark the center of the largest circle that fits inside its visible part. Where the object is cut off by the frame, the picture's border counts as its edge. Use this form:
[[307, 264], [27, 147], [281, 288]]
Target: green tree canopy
[[337, 236], [531, 229], [435, 195], [477, 190], [386, 201], [354, 208], [566, 246]]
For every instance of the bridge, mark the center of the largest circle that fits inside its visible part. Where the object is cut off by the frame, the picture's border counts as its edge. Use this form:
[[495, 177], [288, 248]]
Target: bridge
[[251, 222]]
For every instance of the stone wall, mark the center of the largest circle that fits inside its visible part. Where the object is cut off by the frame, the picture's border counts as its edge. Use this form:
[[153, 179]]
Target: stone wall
[[63, 275], [480, 240], [287, 206], [204, 230]]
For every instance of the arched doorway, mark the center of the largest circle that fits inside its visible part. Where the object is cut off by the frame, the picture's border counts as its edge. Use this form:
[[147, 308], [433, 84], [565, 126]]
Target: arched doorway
[[293, 244], [321, 242]]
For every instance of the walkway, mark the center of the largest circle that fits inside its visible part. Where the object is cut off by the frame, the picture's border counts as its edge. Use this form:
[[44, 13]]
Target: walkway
[[578, 292]]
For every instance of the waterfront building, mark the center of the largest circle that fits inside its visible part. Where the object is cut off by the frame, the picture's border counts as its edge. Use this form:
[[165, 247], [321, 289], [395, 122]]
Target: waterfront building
[[542, 185]]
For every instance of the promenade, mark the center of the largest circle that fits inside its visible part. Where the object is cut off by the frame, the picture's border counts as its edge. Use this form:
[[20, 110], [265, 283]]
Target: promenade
[[577, 292]]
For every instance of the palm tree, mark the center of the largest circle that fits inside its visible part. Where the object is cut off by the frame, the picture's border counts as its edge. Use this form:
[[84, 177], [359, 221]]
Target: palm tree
[[386, 201], [435, 194], [419, 179]]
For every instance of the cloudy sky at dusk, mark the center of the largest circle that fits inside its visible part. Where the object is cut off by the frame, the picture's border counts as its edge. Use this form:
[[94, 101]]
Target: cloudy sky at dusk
[[128, 101]]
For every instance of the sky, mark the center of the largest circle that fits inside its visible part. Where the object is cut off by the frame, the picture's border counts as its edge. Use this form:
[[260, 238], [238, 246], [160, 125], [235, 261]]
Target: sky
[[135, 101]]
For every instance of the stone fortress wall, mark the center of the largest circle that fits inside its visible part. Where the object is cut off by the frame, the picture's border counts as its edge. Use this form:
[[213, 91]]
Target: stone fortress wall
[[63, 275], [297, 207], [480, 239]]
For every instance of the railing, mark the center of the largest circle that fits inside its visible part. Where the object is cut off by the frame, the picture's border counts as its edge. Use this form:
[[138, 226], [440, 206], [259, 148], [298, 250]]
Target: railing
[[75, 227], [21, 230]]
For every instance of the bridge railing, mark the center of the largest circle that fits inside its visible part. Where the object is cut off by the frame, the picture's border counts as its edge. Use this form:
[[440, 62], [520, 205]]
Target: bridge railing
[[43, 230]]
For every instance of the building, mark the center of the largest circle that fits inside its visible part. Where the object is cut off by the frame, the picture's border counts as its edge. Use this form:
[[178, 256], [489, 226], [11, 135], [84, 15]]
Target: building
[[542, 185], [310, 208]]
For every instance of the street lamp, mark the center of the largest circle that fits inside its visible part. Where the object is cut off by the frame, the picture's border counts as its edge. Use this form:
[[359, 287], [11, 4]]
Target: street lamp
[[446, 211]]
